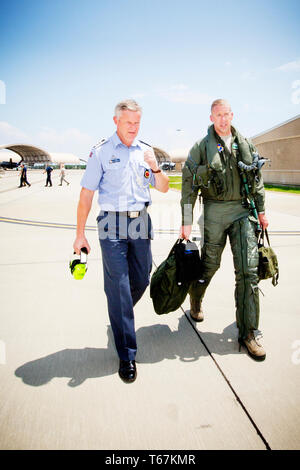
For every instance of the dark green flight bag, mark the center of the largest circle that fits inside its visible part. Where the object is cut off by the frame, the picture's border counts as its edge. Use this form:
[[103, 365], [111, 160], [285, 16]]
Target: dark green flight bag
[[268, 263], [167, 293]]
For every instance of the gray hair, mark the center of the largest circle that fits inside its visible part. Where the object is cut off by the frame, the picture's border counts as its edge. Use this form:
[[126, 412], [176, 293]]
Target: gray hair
[[127, 105]]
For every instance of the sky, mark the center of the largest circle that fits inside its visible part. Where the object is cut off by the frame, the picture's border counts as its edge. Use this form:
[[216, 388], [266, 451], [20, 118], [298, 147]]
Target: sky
[[65, 64]]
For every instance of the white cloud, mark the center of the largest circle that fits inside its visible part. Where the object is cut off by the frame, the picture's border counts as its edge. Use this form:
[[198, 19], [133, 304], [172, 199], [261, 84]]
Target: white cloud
[[62, 141], [295, 98], [51, 140], [10, 134], [138, 95], [181, 86], [290, 66], [2, 92], [248, 76], [181, 94]]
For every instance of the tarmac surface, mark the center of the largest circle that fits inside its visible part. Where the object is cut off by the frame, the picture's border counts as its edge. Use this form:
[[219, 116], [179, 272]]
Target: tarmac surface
[[195, 390]]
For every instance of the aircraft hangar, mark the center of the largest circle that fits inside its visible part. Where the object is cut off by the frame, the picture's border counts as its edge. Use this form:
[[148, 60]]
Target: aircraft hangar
[[30, 155]]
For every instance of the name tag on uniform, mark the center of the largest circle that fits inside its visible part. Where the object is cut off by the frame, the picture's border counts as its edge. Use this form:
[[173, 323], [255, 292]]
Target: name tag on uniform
[[114, 160]]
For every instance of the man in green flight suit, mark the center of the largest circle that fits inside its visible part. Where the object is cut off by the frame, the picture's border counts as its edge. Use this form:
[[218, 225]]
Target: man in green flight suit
[[212, 168]]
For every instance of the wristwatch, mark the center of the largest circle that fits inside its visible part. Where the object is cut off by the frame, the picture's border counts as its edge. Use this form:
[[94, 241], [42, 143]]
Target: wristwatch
[[157, 171]]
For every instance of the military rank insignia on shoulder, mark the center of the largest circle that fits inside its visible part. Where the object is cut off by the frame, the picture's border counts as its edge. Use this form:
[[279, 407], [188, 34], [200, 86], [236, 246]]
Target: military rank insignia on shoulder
[[101, 142], [95, 147]]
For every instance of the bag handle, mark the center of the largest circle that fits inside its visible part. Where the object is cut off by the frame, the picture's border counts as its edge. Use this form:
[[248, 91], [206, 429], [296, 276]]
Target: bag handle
[[267, 235], [179, 240], [261, 239]]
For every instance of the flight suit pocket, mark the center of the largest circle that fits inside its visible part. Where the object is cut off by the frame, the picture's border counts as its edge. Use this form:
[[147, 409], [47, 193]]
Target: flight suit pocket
[[202, 176], [252, 247], [212, 253], [219, 182]]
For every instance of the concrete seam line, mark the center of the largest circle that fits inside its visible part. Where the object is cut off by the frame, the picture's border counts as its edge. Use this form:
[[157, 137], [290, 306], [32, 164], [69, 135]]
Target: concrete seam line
[[229, 385], [227, 381]]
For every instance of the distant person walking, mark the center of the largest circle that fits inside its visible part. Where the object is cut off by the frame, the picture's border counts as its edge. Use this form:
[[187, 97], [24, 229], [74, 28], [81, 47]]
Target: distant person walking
[[48, 170], [23, 177], [62, 175]]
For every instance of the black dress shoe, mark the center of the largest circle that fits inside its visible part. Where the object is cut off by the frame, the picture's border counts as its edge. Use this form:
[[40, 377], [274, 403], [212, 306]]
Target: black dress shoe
[[127, 371]]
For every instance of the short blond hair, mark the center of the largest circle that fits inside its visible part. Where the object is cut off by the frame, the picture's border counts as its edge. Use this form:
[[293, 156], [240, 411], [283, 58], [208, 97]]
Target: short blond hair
[[127, 105], [220, 102]]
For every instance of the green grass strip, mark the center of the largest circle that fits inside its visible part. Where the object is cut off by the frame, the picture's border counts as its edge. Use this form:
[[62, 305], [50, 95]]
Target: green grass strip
[[175, 182], [284, 189]]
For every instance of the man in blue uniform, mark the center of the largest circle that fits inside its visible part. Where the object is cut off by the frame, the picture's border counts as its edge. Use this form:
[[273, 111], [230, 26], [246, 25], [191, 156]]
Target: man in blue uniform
[[23, 178], [121, 168], [48, 170]]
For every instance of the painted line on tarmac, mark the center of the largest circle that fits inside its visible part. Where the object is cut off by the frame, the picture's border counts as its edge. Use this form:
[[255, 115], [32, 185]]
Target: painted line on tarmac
[[38, 223], [35, 223]]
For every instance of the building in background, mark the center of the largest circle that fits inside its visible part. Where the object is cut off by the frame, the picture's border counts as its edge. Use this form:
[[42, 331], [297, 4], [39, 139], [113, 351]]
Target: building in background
[[281, 145], [12, 155]]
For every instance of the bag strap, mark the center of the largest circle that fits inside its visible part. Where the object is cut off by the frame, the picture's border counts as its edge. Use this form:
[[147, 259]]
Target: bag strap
[[261, 240], [267, 235], [261, 237], [275, 279]]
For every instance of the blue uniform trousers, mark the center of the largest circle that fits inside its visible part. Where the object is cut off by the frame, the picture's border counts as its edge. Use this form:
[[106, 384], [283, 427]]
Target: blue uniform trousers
[[127, 263]]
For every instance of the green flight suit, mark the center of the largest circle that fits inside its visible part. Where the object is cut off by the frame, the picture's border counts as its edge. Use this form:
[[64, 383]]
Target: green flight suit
[[212, 171]]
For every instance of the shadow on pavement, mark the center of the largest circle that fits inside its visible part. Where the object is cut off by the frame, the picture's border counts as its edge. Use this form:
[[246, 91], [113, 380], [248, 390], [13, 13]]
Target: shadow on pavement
[[78, 364], [159, 342], [155, 343]]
